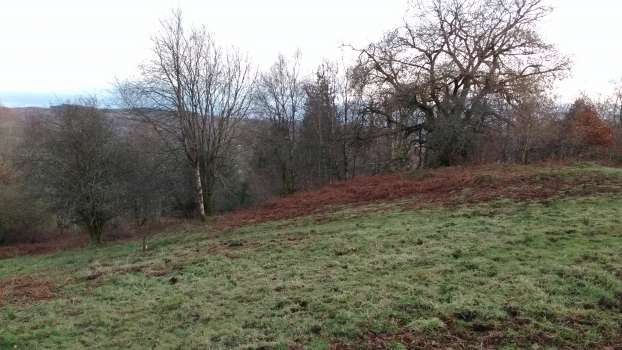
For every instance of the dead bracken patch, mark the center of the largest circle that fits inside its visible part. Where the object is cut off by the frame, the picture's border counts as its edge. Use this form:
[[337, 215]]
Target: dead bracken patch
[[49, 242], [25, 290], [439, 187], [45, 243], [449, 186]]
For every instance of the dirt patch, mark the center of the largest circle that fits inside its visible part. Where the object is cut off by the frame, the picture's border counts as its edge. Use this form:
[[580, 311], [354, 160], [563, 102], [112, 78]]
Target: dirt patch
[[453, 337], [25, 290], [232, 248], [97, 274], [158, 271]]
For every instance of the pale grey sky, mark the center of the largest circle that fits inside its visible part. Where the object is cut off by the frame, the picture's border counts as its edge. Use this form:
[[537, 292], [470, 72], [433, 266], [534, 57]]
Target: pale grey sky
[[54, 49]]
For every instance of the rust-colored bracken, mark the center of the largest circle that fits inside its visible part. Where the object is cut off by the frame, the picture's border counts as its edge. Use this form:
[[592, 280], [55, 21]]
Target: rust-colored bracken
[[447, 186]]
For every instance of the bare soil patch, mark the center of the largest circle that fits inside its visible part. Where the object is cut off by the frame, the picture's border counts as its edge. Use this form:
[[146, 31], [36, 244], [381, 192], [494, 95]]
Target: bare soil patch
[[25, 290], [476, 337]]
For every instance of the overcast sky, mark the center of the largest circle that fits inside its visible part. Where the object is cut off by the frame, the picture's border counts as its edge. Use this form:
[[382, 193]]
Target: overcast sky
[[52, 50]]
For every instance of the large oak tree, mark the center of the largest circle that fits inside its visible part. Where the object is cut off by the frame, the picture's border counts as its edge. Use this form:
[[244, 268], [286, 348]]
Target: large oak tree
[[452, 66]]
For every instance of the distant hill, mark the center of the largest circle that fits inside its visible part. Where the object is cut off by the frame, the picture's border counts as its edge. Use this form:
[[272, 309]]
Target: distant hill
[[22, 113], [33, 99]]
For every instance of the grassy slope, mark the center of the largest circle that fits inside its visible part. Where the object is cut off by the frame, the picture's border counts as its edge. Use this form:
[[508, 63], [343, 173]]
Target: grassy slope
[[500, 273]]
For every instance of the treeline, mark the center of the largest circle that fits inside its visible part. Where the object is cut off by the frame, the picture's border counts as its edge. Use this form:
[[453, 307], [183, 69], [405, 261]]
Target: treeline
[[200, 131]]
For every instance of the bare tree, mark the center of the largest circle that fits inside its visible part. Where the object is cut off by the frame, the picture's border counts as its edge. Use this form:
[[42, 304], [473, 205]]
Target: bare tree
[[617, 103], [532, 132], [280, 100], [194, 94], [325, 142], [76, 159], [331, 99], [441, 70], [21, 213]]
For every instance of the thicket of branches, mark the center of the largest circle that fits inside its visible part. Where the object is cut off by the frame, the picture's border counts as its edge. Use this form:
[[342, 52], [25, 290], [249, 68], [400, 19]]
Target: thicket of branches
[[200, 130]]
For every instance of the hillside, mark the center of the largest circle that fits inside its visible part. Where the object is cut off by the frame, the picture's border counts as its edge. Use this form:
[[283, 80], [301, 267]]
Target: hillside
[[467, 258]]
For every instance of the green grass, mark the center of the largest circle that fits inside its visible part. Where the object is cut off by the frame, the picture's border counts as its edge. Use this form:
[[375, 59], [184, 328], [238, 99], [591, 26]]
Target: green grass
[[537, 273]]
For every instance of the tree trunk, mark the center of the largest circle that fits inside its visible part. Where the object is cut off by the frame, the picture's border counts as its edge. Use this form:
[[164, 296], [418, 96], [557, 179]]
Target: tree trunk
[[198, 188], [524, 154], [345, 160], [207, 179], [285, 180], [96, 230]]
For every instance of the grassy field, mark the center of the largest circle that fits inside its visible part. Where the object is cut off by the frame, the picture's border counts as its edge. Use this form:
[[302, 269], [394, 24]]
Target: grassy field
[[499, 274]]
